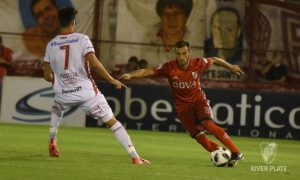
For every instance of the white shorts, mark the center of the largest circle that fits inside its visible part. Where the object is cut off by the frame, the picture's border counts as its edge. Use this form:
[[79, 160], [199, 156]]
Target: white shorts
[[96, 107]]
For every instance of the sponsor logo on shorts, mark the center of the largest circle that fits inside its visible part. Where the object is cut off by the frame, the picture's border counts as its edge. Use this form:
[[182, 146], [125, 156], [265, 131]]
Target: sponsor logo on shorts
[[95, 111]]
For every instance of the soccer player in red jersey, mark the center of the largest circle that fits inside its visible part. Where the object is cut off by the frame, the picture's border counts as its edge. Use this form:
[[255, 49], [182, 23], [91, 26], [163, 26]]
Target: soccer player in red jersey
[[191, 104]]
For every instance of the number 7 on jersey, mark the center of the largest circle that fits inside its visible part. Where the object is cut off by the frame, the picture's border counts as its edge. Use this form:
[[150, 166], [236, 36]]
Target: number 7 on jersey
[[67, 49]]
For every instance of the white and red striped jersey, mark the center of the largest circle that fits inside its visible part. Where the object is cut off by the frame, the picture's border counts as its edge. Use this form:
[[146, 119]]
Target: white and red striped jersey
[[66, 54]]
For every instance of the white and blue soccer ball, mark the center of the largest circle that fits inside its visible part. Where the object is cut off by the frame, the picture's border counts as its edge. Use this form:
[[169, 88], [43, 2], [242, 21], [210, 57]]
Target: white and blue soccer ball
[[220, 156]]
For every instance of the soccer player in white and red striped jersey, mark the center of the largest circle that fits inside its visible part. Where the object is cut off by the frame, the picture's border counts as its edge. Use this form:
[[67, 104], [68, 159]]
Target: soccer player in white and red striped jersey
[[68, 60], [191, 104]]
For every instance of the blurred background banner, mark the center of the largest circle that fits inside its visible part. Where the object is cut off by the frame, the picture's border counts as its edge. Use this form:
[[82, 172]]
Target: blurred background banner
[[141, 23], [27, 28], [250, 33], [270, 27]]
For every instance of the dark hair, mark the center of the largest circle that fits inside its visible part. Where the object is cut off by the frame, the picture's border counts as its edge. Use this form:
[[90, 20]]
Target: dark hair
[[0, 39], [228, 9], [34, 2], [185, 5], [181, 44], [66, 15], [143, 61], [133, 59]]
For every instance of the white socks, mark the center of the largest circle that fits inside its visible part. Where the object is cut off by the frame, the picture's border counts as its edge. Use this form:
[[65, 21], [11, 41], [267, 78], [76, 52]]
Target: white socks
[[124, 139], [56, 116], [117, 129]]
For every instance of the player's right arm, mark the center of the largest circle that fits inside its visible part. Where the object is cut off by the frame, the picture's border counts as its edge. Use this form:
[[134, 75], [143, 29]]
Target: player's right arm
[[101, 72], [140, 73]]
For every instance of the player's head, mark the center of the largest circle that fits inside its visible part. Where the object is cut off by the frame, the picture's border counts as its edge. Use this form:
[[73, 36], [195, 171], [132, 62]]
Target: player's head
[[225, 27], [46, 14], [67, 16], [278, 56], [132, 63], [183, 54], [143, 64], [173, 14], [182, 43]]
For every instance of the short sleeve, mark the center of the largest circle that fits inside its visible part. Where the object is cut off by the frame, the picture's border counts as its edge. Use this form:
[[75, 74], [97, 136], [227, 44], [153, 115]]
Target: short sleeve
[[161, 69], [87, 46], [206, 62]]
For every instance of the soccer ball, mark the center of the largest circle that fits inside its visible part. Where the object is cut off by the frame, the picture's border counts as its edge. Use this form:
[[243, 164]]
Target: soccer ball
[[220, 156]]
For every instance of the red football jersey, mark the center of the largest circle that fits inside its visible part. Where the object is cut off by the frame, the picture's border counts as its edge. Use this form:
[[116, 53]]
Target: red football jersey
[[185, 84]]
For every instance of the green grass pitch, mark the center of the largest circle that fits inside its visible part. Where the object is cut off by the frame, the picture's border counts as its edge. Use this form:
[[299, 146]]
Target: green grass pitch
[[94, 153]]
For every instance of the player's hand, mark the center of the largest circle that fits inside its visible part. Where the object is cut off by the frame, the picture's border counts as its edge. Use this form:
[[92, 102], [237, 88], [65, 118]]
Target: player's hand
[[235, 69], [117, 84], [125, 77]]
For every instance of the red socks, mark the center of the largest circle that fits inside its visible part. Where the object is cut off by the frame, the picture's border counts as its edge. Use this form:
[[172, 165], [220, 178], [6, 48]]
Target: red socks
[[206, 143], [220, 134]]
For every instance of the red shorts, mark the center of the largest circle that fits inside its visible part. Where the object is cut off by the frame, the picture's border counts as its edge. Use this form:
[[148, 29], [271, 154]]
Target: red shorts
[[192, 114]]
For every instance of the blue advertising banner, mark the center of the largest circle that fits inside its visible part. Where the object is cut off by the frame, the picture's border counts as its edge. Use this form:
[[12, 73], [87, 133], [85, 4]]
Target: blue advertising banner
[[241, 113]]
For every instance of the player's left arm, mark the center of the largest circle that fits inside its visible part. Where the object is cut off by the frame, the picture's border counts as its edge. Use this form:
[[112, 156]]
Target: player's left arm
[[101, 72], [233, 68], [48, 76]]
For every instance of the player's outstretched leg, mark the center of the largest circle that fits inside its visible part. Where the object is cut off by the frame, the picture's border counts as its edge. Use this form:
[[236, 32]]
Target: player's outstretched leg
[[56, 116], [207, 144], [222, 136], [125, 140]]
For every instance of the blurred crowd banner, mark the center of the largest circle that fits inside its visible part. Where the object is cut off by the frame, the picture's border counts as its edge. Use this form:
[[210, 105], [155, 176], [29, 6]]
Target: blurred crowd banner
[[241, 113], [244, 32], [27, 27]]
